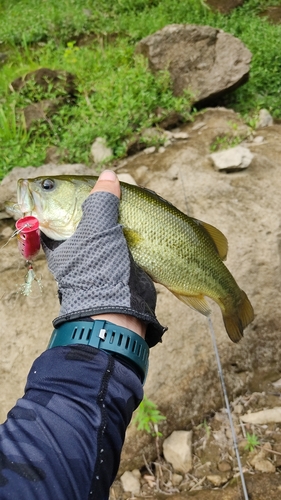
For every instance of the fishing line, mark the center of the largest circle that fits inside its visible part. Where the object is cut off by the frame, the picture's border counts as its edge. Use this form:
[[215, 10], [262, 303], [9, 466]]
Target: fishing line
[[15, 233], [184, 195], [233, 433]]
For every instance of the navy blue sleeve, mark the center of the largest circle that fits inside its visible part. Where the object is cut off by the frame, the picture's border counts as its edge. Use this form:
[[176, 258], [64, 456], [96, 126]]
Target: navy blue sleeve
[[63, 439]]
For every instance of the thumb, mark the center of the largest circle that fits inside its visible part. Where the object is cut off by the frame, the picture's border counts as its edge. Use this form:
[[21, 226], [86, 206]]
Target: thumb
[[107, 181]]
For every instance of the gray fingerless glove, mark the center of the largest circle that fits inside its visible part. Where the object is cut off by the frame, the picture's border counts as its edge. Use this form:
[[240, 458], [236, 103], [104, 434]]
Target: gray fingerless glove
[[95, 270]]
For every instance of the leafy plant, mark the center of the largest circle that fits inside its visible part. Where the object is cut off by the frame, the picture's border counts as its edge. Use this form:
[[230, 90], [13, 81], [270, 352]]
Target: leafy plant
[[207, 428], [225, 142], [11, 128], [70, 52], [148, 417], [252, 441]]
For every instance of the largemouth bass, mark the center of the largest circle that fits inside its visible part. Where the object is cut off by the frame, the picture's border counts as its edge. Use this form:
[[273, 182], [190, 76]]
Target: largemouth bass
[[183, 254]]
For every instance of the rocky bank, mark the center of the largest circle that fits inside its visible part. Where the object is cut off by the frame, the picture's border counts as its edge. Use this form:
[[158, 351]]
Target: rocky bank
[[182, 380]]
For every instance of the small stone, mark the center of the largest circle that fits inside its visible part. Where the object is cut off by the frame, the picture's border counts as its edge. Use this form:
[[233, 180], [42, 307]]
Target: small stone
[[265, 119], [150, 150], [161, 149], [258, 139], [176, 479], [232, 159], [130, 482], [264, 466], [177, 450], [263, 416], [136, 473], [99, 151], [217, 480], [180, 135]]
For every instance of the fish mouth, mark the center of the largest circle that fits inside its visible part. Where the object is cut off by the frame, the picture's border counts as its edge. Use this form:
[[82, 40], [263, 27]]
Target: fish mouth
[[25, 198]]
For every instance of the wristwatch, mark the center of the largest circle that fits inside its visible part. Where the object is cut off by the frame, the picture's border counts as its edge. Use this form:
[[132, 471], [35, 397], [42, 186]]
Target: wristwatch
[[120, 342]]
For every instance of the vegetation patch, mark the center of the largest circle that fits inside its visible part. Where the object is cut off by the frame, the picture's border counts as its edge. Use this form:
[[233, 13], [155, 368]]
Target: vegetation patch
[[117, 96]]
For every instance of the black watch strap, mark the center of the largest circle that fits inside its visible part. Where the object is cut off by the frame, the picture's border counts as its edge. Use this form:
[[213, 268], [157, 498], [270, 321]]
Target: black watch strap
[[113, 339]]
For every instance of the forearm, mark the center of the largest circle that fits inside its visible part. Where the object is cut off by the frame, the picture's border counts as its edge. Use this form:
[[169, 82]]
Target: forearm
[[63, 439]]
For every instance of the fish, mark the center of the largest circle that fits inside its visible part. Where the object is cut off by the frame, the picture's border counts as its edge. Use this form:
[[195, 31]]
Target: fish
[[180, 252]]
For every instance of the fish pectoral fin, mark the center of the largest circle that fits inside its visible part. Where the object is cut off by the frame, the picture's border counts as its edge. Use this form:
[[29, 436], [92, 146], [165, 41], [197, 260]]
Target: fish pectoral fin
[[196, 302], [218, 238], [133, 238]]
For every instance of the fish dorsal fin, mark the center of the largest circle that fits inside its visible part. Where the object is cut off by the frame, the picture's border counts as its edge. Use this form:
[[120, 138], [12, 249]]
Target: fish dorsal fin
[[196, 302], [218, 238]]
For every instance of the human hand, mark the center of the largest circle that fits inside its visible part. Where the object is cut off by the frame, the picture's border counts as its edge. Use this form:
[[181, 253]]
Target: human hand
[[96, 274]]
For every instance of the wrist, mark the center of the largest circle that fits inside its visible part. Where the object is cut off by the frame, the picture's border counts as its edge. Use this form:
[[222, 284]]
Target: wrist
[[119, 341], [130, 322]]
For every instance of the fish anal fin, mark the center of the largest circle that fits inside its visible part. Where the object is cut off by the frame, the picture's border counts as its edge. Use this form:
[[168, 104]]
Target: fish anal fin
[[218, 238], [196, 302]]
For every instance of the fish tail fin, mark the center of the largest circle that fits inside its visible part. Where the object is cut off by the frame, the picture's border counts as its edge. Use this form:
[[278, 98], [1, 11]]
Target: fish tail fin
[[237, 321]]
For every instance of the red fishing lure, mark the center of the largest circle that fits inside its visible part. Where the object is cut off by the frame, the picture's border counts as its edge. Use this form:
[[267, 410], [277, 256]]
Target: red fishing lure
[[28, 235]]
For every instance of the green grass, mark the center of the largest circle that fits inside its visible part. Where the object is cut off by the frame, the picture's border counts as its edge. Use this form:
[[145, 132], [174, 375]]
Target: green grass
[[117, 93]]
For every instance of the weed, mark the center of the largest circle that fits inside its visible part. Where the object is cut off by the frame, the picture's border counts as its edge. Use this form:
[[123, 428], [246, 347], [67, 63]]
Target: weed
[[252, 441], [70, 52], [224, 142], [148, 417]]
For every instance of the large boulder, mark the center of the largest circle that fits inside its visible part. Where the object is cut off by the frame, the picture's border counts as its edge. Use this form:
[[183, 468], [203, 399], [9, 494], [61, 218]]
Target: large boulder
[[202, 60]]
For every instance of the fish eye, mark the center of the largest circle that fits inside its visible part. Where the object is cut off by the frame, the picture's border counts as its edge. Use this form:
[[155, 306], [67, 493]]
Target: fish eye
[[48, 184]]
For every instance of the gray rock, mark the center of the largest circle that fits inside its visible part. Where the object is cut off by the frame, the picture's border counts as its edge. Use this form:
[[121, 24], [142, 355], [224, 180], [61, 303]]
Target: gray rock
[[130, 482], [265, 119], [258, 139], [260, 460], [99, 150], [263, 416], [202, 60], [232, 159], [180, 135], [177, 450], [149, 151]]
